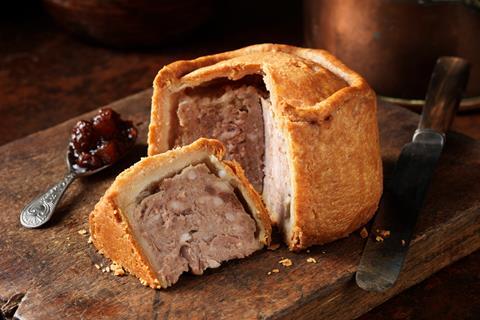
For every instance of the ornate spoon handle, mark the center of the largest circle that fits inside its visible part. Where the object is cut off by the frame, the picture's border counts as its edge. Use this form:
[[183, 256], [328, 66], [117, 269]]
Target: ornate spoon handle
[[40, 210]]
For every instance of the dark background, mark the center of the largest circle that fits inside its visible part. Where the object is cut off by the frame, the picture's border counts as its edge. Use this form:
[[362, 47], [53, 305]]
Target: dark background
[[47, 76]]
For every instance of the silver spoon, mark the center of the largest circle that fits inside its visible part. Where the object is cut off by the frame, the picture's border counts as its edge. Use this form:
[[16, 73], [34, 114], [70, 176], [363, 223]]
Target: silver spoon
[[41, 209]]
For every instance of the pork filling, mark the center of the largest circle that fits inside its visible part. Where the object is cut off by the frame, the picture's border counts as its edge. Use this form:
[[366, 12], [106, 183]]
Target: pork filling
[[193, 221], [241, 116], [235, 118]]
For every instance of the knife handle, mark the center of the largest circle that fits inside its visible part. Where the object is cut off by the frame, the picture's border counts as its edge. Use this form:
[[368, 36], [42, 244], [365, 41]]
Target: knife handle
[[448, 81]]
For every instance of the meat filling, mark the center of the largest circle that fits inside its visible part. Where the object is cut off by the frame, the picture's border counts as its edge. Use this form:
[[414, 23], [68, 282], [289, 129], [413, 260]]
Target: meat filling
[[235, 118], [241, 116], [193, 221]]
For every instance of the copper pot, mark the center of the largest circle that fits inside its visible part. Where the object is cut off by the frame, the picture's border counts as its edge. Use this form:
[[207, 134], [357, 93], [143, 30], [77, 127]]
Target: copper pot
[[395, 43]]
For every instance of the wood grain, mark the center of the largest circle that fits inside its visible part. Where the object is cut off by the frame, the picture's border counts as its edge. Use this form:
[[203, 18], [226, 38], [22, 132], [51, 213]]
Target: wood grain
[[54, 266]]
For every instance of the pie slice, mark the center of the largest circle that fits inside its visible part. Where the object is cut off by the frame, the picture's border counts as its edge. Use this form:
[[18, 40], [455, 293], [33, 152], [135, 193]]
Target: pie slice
[[183, 210], [301, 124]]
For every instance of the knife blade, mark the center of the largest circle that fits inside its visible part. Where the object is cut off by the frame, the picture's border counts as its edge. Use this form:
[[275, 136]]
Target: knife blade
[[405, 191]]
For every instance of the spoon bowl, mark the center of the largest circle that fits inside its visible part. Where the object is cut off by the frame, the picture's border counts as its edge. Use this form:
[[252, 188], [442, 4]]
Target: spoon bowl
[[80, 171]]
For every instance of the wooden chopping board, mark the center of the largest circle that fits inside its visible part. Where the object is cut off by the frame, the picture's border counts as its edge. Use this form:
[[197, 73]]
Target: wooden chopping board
[[53, 269]]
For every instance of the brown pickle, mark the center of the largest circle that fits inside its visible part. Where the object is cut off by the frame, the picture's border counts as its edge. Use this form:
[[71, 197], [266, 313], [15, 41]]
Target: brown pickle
[[101, 141]]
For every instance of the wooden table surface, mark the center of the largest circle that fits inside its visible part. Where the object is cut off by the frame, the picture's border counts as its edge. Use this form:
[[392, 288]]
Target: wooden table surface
[[47, 76]]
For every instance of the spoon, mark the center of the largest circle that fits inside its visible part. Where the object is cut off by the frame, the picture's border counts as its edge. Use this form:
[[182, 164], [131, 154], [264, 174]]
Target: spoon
[[41, 209]]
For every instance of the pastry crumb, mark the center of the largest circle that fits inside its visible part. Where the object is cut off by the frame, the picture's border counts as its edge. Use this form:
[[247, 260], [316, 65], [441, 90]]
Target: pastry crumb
[[308, 250], [82, 232], [119, 272], [274, 246], [275, 270], [364, 233], [117, 269], [97, 266], [90, 240], [311, 260], [269, 273], [286, 262], [381, 235], [324, 252], [402, 242], [143, 282], [384, 233]]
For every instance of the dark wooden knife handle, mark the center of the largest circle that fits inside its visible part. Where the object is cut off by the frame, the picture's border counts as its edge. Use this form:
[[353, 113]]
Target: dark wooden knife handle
[[448, 81]]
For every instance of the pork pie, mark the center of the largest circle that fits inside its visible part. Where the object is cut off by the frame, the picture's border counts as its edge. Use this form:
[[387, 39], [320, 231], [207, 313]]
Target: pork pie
[[302, 125], [183, 210]]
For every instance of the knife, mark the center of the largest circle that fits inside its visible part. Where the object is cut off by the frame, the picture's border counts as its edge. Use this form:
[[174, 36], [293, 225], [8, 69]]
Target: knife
[[404, 193]]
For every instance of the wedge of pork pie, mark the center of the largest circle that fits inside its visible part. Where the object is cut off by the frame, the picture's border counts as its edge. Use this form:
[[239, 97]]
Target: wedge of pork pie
[[301, 124], [183, 210]]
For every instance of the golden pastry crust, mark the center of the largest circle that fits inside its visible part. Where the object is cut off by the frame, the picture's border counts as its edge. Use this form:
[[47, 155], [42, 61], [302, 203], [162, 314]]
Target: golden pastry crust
[[109, 227], [111, 236], [328, 116]]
